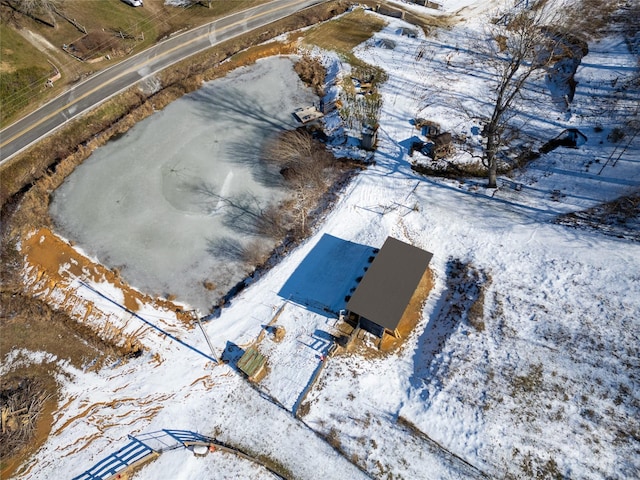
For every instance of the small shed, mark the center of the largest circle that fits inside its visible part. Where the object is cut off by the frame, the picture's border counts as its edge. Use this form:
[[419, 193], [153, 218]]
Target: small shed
[[381, 299], [428, 4], [307, 114], [427, 127], [252, 364], [369, 137], [389, 11], [407, 32]]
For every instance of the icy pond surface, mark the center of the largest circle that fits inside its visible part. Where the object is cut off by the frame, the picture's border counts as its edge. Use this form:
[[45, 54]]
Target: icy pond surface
[[170, 202]]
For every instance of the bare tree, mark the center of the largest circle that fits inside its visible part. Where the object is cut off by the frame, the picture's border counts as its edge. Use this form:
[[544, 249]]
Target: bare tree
[[36, 9], [302, 159], [519, 46], [304, 163]]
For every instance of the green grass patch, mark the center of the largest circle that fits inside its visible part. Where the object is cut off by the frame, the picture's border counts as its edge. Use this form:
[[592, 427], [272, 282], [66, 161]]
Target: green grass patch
[[17, 53], [23, 72], [343, 34], [18, 88]]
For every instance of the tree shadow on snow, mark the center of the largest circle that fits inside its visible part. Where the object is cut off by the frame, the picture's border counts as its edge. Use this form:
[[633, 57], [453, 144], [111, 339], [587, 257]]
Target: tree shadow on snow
[[463, 290]]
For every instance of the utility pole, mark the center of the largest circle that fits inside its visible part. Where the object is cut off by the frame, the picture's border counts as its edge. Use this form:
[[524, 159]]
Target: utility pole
[[206, 337]]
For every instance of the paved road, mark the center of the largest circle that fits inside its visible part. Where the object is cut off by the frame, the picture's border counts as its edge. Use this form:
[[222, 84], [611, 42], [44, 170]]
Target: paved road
[[107, 83]]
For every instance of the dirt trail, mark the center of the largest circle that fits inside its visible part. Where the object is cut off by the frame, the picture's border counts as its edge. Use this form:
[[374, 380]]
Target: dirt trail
[[38, 41]]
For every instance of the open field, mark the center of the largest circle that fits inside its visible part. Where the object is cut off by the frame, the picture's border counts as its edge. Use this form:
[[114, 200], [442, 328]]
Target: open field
[[345, 33], [523, 359], [132, 30]]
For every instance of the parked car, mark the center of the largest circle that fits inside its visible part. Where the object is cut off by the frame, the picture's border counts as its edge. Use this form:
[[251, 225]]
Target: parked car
[[133, 3]]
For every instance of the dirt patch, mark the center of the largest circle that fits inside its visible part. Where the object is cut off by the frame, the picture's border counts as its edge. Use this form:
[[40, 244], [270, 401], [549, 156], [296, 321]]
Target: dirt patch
[[96, 43], [466, 289], [619, 218], [37, 39], [29, 324], [52, 269]]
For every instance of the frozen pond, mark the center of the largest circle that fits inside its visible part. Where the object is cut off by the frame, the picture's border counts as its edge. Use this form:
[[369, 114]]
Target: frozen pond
[[170, 202]]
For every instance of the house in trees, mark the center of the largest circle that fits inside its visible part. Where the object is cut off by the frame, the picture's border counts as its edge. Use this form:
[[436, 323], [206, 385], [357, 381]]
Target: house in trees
[[395, 275]]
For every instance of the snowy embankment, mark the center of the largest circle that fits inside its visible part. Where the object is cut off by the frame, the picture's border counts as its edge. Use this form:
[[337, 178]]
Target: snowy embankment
[[542, 381]]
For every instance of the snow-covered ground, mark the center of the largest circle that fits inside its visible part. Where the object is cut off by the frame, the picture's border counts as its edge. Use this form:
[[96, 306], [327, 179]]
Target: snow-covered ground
[[544, 382]]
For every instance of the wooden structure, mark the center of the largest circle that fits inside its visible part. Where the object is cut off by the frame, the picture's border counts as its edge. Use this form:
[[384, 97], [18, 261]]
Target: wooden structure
[[126, 460], [307, 114], [252, 364], [427, 127], [427, 3], [381, 299], [389, 11], [408, 32]]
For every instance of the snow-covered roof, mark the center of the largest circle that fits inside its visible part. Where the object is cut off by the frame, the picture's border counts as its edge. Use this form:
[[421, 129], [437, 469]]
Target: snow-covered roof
[[384, 292]]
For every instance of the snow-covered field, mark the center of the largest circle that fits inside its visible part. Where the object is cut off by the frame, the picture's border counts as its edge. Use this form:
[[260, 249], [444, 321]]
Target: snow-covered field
[[543, 383]]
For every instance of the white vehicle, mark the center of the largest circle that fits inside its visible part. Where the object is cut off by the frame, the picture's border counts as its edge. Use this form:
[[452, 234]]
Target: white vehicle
[[133, 3]]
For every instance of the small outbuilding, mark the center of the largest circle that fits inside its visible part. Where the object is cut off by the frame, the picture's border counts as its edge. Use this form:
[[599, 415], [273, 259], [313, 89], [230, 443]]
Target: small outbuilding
[[307, 114], [427, 127], [369, 137], [381, 299], [408, 32]]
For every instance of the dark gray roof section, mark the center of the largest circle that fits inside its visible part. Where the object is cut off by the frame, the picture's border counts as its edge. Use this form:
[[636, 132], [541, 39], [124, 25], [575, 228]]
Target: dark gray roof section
[[387, 287]]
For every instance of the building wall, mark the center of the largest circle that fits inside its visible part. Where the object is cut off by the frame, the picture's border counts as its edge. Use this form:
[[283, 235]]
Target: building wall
[[371, 327], [413, 312]]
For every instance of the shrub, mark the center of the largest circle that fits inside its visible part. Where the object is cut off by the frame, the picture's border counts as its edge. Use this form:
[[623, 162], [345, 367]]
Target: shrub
[[312, 72], [616, 135]]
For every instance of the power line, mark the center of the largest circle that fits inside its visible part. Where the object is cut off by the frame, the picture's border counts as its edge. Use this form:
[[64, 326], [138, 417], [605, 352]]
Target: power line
[[28, 93]]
